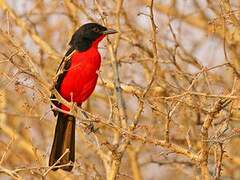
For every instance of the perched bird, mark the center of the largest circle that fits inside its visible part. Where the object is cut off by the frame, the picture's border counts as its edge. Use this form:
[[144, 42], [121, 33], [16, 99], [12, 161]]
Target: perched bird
[[77, 78]]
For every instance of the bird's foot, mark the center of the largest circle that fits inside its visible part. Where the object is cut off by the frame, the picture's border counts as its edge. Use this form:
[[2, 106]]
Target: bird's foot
[[90, 128]]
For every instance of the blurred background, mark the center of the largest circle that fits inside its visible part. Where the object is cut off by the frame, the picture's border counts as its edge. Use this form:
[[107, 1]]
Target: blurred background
[[176, 115]]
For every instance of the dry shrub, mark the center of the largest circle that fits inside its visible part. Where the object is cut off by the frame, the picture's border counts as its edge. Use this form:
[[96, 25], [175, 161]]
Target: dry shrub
[[166, 103]]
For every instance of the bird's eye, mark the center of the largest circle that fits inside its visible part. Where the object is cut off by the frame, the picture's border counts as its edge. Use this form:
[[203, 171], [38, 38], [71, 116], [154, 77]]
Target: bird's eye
[[95, 29]]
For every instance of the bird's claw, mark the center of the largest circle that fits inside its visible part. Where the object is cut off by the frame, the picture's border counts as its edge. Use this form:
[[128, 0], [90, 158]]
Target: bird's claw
[[90, 128]]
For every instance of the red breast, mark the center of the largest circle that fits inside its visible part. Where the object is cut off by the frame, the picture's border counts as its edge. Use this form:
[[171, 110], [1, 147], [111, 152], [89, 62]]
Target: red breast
[[81, 78]]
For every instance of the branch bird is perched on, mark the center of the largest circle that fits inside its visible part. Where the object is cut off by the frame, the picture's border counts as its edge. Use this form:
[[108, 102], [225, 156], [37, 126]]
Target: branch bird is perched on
[[75, 83]]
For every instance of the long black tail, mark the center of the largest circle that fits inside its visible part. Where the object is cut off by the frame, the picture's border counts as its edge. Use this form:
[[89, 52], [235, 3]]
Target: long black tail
[[64, 139]]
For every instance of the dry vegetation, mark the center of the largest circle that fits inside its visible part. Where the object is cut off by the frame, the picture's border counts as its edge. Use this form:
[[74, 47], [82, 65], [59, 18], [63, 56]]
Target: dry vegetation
[[167, 101]]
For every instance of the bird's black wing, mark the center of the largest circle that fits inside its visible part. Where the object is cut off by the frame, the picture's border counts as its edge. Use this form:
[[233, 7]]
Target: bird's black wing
[[61, 72]]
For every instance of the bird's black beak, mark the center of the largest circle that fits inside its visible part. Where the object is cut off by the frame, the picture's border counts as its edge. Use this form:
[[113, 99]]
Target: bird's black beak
[[109, 31]]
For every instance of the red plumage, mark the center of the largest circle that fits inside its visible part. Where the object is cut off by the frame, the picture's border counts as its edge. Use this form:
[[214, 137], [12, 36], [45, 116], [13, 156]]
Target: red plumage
[[81, 77]]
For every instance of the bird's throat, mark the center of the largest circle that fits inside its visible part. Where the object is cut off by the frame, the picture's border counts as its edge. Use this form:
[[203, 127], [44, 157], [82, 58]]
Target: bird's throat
[[96, 42]]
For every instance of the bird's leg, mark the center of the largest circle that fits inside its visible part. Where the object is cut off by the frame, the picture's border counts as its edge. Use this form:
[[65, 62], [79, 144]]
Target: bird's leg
[[89, 127]]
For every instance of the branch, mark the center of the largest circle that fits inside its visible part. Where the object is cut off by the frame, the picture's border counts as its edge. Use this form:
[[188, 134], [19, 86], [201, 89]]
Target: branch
[[37, 39]]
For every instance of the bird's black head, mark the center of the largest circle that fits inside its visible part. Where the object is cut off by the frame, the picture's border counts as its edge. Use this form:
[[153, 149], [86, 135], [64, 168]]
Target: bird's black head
[[87, 34]]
